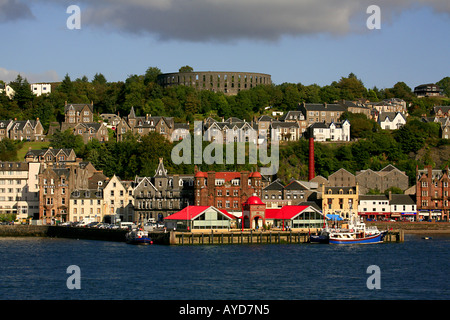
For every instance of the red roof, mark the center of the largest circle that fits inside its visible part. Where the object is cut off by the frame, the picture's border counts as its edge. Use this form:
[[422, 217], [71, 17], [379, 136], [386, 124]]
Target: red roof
[[254, 200], [201, 174], [284, 213], [228, 175], [192, 212], [255, 174]]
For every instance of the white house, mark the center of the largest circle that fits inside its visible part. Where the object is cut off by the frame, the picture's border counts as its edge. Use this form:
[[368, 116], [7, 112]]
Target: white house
[[229, 132], [19, 190], [41, 88], [9, 92], [374, 206], [391, 120], [335, 131]]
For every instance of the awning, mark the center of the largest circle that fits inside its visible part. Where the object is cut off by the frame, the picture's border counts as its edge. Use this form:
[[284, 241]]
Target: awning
[[335, 217]]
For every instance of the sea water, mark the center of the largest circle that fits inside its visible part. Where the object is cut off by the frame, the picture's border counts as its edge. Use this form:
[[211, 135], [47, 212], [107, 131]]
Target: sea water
[[37, 269]]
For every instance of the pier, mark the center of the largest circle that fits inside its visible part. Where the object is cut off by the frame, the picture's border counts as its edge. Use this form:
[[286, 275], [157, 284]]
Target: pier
[[255, 237]]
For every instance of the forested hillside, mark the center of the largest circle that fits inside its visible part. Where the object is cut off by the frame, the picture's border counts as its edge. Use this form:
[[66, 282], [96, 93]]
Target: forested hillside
[[417, 143]]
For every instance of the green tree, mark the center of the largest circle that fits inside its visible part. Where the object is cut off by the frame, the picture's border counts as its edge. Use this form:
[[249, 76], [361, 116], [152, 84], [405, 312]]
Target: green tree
[[351, 88], [186, 69], [8, 150], [444, 83], [151, 75], [67, 140], [99, 79], [22, 92]]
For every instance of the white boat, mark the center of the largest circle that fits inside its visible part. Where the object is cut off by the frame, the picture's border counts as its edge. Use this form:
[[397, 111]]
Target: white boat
[[356, 233], [138, 236]]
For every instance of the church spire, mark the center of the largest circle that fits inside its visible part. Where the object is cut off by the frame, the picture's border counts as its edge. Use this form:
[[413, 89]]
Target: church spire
[[132, 114]]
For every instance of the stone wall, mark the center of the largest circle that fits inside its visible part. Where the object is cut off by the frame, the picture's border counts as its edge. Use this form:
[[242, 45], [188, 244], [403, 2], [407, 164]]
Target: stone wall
[[227, 82]]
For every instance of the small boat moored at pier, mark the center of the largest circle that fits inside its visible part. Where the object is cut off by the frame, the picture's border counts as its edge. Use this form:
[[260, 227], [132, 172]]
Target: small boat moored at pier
[[138, 237]]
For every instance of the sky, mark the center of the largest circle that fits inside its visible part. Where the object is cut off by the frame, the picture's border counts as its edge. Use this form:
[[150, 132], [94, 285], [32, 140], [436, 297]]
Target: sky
[[296, 41]]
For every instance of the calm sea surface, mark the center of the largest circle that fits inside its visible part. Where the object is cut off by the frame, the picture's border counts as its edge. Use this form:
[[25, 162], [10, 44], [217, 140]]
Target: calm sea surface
[[36, 268]]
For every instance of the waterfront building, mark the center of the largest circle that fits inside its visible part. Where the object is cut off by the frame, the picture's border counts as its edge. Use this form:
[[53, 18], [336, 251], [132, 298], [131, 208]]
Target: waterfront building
[[341, 178], [56, 183], [403, 206], [19, 189], [200, 218], [277, 195], [253, 213], [295, 217], [381, 180], [225, 189], [86, 205], [342, 201], [162, 195], [374, 207], [432, 194], [118, 200]]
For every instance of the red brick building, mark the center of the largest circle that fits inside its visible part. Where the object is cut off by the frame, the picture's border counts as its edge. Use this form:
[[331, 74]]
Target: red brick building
[[227, 190], [432, 194]]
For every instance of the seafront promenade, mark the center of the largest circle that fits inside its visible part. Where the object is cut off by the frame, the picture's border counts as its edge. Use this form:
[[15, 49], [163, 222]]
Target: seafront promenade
[[396, 232], [413, 227]]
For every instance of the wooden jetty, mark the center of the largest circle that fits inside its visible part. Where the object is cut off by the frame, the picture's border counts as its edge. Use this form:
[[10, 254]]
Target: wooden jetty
[[255, 237]]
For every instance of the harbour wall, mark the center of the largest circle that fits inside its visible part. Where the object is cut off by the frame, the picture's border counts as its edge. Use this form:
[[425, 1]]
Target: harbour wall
[[413, 227], [75, 233]]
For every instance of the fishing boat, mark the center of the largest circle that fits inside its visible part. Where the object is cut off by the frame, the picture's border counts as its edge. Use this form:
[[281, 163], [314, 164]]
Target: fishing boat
[[138, 237], [356, 233]]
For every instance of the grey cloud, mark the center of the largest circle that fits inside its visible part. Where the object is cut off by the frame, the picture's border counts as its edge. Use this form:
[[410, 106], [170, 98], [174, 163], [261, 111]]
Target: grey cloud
[[11, 10], [224, 20], [228, 20]]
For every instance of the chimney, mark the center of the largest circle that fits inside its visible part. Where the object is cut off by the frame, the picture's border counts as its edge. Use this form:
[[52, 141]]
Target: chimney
[[311, 169]]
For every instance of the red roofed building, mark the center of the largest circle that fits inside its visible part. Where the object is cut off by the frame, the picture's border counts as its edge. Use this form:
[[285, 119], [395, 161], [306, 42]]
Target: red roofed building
[[295, 217], [200, 217], [227, 190], [253, 213]]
